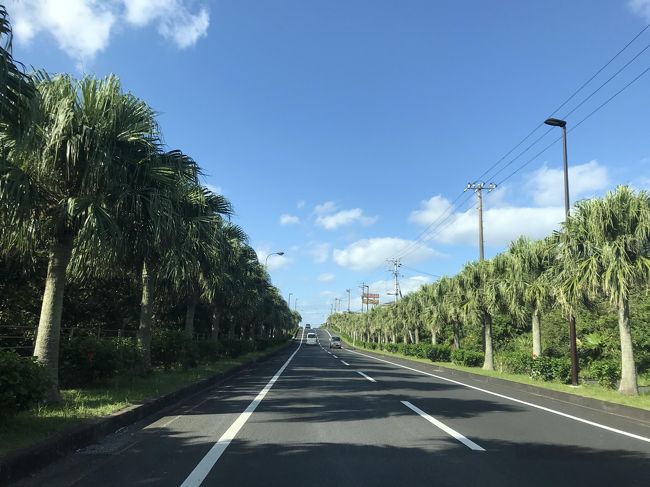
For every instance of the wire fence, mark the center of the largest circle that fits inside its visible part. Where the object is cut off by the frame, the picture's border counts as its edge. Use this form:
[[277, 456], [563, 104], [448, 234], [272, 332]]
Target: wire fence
[[22, 338]]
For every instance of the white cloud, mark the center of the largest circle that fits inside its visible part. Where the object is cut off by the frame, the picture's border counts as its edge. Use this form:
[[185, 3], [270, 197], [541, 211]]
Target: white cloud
[[641, 7], [324, 208], [369, 254], [289, 219], [214, 189], [319, 251], [547, 185], [503, 222], [407, 285], [82, 28], [326, 277], [344, 217], [274, 262]]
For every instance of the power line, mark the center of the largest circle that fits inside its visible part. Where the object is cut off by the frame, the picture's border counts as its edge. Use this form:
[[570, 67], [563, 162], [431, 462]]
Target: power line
[[420, 272], [578, 90], [435, 226], [602, 105]]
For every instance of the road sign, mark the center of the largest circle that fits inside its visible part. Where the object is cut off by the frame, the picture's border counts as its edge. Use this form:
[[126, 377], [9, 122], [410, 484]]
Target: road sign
[[371, 296]]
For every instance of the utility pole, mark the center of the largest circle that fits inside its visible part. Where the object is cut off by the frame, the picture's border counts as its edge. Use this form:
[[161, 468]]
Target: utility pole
[[478, 189], [290, 294], [348, 291], [396, 265], [295, 304], [363, 291]]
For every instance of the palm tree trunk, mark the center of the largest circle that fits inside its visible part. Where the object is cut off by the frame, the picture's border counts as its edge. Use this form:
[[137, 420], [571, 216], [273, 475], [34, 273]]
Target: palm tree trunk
[[537, 333], [456, 327], [417, 335], [46, 349], [488, 364], [215, 319], [410, 337], [189, 315], [144, 330], [628, 369], [434, 337]]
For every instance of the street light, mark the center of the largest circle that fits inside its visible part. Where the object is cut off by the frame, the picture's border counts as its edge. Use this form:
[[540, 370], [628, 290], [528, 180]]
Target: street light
[[290, 294], [266, 261], [556, 122]]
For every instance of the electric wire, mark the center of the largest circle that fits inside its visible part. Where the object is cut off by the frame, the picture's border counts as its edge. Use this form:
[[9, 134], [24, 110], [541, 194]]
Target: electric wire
[[593, 112], [435, 227]]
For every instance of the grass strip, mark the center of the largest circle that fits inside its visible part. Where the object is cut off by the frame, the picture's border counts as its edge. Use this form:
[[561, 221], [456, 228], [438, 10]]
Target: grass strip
[[30, 427]]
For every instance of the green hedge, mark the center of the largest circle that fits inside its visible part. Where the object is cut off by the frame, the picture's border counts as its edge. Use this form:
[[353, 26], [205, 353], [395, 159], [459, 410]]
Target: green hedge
[[23, 383], [468, 358], [606, 372], [550, 369]]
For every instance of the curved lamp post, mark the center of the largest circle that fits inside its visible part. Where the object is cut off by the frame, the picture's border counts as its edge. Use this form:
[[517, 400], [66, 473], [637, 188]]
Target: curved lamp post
[[266, 261]]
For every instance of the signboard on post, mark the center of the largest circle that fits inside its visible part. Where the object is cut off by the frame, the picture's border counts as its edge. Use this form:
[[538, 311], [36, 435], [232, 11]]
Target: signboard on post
[[370, 301]]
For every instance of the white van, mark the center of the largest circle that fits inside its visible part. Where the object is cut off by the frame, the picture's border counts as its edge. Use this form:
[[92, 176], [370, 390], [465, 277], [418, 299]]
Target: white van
[[311, 339]]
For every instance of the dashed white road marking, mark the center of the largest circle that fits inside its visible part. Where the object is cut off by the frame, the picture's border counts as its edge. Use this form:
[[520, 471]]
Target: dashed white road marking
[[334, 356], [366, 376], [201, 471], [345, 363], [519, 401], [464, 440]]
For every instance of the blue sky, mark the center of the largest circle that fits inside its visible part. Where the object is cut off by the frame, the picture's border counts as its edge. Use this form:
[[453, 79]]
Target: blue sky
[[341, 129]]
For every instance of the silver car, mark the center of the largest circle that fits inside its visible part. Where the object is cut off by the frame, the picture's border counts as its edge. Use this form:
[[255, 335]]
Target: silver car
[[335, 341]]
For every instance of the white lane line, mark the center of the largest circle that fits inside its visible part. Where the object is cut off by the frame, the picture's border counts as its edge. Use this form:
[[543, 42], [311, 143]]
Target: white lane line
[[366, 376], [328, 332], [519, 401], [463, 439], [201, 471], [345, 363], [334, 356], [330, 353]]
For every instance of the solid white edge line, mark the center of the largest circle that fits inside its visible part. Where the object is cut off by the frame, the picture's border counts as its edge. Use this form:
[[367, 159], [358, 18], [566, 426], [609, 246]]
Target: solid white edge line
[[463, 439], [345, 363], [328, 332], [201, 471], [366, 376], [537, 406]]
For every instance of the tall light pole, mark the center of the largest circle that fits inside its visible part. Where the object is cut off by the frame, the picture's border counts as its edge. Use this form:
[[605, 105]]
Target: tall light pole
[[290, 294], [556, 122], [348, 291], [295, 304], [266, 261]]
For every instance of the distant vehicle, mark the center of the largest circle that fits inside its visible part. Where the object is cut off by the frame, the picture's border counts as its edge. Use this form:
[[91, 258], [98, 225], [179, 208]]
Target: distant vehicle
[[335, 342], [307, 326], [311, 339]]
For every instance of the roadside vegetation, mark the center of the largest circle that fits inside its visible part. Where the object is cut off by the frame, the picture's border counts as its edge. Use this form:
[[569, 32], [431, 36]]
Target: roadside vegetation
[[510, 313], [117, 265]]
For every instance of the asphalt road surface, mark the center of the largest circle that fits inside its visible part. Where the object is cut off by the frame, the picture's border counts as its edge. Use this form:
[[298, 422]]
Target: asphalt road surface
[[314, 417]]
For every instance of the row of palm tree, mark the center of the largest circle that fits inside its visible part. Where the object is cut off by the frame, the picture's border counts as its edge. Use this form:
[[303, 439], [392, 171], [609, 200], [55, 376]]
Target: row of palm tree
[[602, 251], [87, 184]]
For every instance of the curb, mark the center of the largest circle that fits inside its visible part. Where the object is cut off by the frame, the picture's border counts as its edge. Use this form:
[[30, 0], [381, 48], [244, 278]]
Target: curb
[[629, 412], [29, 459]]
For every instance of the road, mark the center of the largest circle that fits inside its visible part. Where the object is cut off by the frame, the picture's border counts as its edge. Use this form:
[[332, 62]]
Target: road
[[311, 417]]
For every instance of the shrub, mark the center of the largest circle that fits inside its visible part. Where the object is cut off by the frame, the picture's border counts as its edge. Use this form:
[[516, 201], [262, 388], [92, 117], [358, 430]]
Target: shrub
[[23, 383], [391, 347], [468, 358], [606, 372], [515, 363], [129, 355], [86, 359], [439, 353], [173, 347], [549, 369]]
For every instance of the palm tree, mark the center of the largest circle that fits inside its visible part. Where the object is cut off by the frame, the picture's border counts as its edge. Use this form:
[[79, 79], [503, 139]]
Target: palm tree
[[479, 283], [526, 283], [607, 242], [86, 137]]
